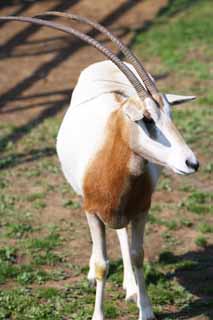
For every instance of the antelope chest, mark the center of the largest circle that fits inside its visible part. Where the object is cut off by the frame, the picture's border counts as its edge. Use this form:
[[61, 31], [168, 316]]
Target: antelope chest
[[116, 185]]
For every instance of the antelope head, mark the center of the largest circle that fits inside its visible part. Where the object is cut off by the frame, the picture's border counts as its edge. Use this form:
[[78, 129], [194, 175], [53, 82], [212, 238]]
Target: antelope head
[[154, 135]]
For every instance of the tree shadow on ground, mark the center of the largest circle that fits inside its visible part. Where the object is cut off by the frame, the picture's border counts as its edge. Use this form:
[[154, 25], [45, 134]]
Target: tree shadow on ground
[[44, 69], [197, 278], [193, 271], [175, 7], [18, 158]]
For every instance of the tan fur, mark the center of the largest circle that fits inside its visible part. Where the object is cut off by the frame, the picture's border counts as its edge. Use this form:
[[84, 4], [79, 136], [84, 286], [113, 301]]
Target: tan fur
[[100, 272], [106, 177], [112, 189]]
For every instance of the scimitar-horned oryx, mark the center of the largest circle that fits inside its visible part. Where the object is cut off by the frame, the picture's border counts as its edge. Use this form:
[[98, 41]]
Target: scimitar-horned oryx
[[116, 136]]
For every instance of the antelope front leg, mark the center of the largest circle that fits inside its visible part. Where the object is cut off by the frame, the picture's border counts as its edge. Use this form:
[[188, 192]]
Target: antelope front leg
[[144, 304], [129, 283], [91, 274], [99, 257]]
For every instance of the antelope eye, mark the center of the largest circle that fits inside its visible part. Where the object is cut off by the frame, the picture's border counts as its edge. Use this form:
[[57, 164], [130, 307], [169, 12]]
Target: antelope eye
[[148, 120]]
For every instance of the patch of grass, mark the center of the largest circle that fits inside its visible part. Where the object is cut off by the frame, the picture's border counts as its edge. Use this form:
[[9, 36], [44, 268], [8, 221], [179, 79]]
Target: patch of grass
[[186, 265], [201, 241], [37, 200], [49, 242], [186, 222], [116, 272], [39, 204], [167, 257], [18, 230], [164, 184], [71, 204], [199, 202], [190, 31], [186, 188], [23, 274], [48, 258], [170, 224], [7, 271], [156, 208], [194, 125], [24, 304], [3, 183], [165, 292], [209, 167], [7, 204], [111, 312], [169, 238], [47, 293], [33, 172], [205, 228], [35, 196], [8, 161], [27, 275], [174, 7], [8, 254], [152, 218], [152, 274], [162, 290]]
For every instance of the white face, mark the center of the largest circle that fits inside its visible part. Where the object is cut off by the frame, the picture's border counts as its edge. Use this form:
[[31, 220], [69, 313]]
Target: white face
[[159, 140]]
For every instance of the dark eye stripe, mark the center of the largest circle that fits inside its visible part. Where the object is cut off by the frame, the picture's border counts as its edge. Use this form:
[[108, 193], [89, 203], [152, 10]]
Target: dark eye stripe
[[148, 120]]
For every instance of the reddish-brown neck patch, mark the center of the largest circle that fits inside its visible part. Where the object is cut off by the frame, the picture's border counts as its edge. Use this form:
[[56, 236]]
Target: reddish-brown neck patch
[[106, 179]]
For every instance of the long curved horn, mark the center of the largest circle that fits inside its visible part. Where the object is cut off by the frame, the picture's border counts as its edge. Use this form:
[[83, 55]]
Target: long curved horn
[[142, 93], [149, 84]]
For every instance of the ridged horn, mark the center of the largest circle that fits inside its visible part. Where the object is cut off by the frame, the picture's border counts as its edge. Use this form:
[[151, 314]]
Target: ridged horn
[[142, 93], [148, 82]]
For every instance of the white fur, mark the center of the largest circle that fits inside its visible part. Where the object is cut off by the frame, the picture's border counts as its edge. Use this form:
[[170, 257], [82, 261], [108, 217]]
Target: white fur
[[129, 283], [82, 130], [144, 304], [97, 230]]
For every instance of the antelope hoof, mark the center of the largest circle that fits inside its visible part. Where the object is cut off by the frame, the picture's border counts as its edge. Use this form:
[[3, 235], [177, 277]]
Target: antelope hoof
[[147, 314], [131, 297], [98, 316], [131, 291]]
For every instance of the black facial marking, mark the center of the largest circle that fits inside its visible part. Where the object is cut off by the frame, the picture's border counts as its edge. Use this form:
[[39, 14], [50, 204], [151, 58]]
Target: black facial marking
[[148, 120]]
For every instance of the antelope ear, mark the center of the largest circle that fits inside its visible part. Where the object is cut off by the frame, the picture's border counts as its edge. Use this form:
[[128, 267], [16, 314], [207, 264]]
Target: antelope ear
[[174, 99], [133, 109]]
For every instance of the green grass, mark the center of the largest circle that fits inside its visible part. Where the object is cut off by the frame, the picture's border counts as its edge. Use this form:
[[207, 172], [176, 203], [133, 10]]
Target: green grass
[[205, 228], [199, 202], [71, 204], [201, 241], [18, 230], [175, 42], [49, 242]]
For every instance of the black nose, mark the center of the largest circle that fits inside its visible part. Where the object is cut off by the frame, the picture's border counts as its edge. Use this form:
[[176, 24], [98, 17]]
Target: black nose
[[192, 165]]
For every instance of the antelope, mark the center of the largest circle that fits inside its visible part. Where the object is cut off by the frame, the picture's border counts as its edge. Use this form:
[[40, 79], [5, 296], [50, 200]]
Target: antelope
[[114, 140]]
